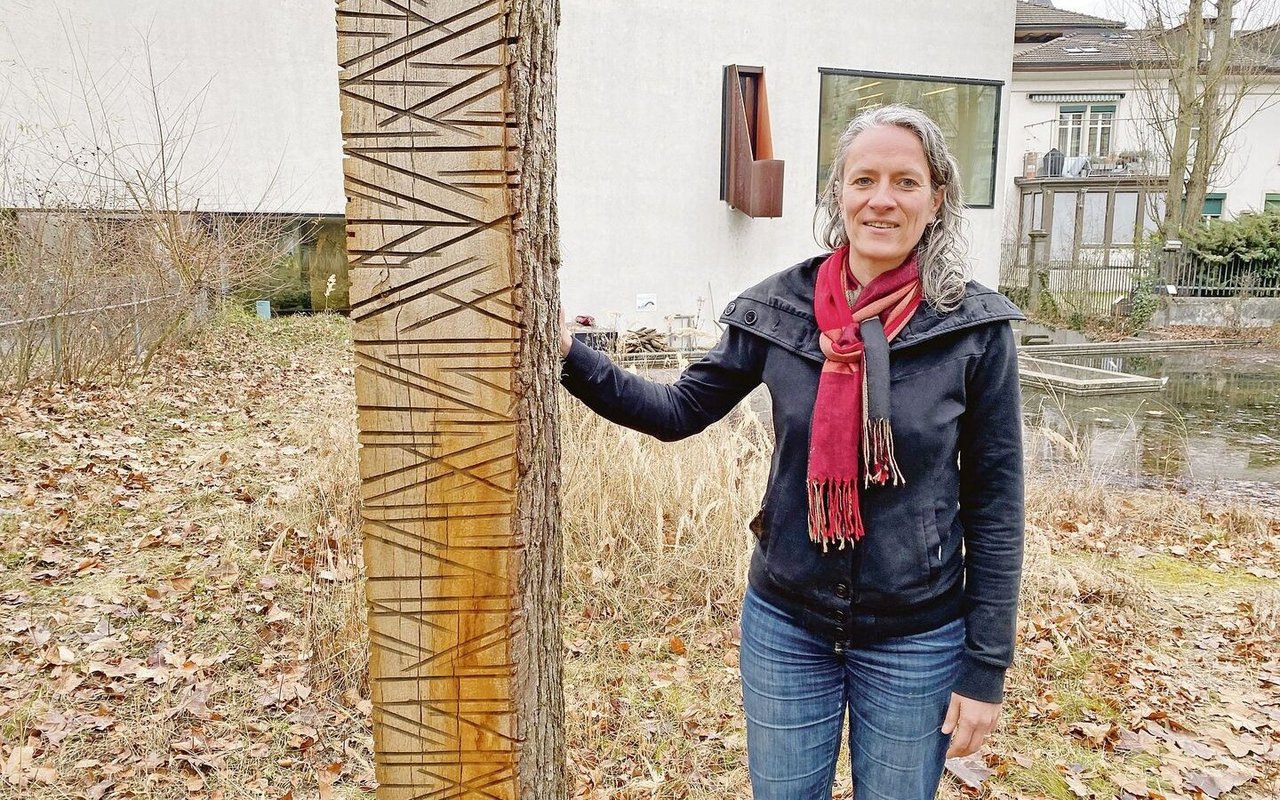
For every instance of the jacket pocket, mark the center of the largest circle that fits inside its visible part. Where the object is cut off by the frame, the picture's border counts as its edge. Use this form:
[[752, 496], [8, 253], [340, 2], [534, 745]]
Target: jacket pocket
[[932, 544]]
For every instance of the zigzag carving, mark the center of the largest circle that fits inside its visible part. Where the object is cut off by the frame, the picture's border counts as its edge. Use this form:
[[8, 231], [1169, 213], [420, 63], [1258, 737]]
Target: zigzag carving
[[436, 314]]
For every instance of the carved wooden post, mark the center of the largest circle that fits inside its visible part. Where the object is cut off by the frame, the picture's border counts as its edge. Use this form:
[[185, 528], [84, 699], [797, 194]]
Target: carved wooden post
[[448, 124]]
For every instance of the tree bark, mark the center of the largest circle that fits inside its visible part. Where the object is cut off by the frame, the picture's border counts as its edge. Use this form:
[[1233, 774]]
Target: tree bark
[[448, 122], [1209, 117], [1184, 85]]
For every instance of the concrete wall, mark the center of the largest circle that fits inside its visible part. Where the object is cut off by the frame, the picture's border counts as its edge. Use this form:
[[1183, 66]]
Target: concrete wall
[[639, 117], [1253, 312], [639, 128]]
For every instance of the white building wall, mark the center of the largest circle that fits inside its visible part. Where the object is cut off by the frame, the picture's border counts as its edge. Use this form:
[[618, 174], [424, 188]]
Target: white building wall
[[639, 117], [640, 124], [263, 78], [1033, 125], [1252, 165]]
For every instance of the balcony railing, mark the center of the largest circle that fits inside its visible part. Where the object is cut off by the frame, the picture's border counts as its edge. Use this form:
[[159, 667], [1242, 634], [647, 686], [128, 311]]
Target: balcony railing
[[1053, 164]]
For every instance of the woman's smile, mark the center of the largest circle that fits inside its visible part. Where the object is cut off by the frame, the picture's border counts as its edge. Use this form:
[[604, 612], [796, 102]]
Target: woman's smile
[[886, 199]]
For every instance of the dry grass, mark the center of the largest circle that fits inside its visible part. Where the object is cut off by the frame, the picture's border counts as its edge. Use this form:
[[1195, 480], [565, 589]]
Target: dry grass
[[256, 575], [655, 531], [190, 541], [656, 553]]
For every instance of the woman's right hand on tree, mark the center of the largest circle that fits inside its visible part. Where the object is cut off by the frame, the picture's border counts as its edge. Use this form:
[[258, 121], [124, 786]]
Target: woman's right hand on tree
[[566, 338]]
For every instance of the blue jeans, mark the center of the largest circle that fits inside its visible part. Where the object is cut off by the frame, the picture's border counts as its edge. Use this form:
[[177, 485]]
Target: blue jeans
[[797, 684]]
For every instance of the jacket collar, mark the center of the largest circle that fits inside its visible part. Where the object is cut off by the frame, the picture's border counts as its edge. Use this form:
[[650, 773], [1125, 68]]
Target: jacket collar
[[780, 310]]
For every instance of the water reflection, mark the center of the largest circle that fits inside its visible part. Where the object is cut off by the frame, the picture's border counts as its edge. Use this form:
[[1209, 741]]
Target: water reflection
[[1217, 420]]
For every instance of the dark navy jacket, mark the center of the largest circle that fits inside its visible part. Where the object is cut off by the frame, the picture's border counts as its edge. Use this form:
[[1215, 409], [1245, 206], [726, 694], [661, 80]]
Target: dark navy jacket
[[946, 544]]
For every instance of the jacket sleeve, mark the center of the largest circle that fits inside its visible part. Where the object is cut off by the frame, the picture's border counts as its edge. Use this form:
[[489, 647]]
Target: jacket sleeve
[[704, 393], [991, 510]]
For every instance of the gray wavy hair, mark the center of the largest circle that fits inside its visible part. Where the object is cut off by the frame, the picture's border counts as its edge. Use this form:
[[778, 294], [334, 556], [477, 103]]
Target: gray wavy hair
[[943, 246]]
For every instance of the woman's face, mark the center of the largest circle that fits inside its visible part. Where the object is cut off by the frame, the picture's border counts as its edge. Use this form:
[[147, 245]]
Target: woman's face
[[885, 197]]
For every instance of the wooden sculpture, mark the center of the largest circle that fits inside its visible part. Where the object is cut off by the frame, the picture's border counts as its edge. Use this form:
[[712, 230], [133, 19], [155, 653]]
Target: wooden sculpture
[[448, 124]]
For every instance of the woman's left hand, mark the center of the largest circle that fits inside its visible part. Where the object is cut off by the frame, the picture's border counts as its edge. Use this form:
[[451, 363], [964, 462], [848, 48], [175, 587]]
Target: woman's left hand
[[969, 722]]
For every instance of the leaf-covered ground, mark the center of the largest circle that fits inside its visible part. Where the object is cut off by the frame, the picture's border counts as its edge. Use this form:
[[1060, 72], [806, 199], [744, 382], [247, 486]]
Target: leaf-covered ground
[[180, 612]]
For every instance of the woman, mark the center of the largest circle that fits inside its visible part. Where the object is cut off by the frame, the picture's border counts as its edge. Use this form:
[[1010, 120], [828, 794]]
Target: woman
[[885, 579]]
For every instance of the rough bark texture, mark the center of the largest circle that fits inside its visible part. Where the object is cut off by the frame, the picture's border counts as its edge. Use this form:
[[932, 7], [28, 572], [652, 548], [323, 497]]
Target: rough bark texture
[[1209, 117], [1183, 84], [531, 29], [448, 129]]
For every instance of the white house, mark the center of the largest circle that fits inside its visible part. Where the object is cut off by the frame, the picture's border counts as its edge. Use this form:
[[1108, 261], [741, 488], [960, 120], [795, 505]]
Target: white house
[[646, 235], [1076, 91]]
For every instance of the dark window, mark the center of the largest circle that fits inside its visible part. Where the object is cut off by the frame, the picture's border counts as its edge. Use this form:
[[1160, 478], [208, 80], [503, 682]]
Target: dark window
[[1212, 208], [967, 111]]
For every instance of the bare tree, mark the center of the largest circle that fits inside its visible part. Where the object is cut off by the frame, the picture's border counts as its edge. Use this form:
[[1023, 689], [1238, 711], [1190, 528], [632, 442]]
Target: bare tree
[[1197, 85], [103, 247]]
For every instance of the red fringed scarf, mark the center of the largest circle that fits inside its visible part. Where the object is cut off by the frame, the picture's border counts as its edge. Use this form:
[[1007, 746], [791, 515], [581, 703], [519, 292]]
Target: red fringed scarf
[[851, 415]]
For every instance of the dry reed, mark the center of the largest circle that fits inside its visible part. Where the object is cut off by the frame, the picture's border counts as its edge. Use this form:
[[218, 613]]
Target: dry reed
[[654, 530]]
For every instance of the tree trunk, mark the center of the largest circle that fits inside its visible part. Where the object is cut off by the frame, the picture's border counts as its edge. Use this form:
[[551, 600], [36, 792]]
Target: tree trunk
[[448, 122], [1209, 116], [1184, 84]]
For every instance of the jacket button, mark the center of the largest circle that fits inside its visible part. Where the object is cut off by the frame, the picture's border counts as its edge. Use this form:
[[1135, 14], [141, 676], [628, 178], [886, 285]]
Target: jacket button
[[842, 590], [729, 308], [749, 317], [839, 616]]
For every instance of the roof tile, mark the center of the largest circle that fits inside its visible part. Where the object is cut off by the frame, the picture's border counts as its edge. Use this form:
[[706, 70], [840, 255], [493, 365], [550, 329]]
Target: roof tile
[[1116, 48], [1031, 14]]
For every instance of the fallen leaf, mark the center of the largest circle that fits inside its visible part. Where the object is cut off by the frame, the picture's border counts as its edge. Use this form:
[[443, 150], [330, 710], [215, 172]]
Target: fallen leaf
[[1077, 786], [15, 766], [1195, 747], [46, 775], [1215, 784], [971, 770], [325, 777], [99, 790]]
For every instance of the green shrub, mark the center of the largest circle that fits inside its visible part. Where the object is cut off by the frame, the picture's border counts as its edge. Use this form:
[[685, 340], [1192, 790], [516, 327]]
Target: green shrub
[[1250, 238]]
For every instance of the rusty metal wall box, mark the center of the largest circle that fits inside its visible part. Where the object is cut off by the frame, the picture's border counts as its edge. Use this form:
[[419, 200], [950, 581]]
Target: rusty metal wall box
[[750, 177]]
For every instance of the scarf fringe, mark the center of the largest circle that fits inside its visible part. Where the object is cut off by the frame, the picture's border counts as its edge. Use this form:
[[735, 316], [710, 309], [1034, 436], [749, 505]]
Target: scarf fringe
[[879, 466], [834, 513]]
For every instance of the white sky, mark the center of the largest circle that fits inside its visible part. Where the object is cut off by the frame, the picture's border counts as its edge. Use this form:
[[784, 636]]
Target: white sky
[[1107, 9], [1260, 13]]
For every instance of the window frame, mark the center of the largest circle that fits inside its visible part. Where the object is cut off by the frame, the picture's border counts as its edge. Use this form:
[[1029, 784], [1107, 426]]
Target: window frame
[[1270, 202], [1087, 125], [1071, 126], [1220, 198], [998, 85], [1101, 117]]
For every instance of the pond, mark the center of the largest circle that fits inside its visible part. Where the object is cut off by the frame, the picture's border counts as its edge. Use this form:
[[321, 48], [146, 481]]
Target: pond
[[1215, 427]]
